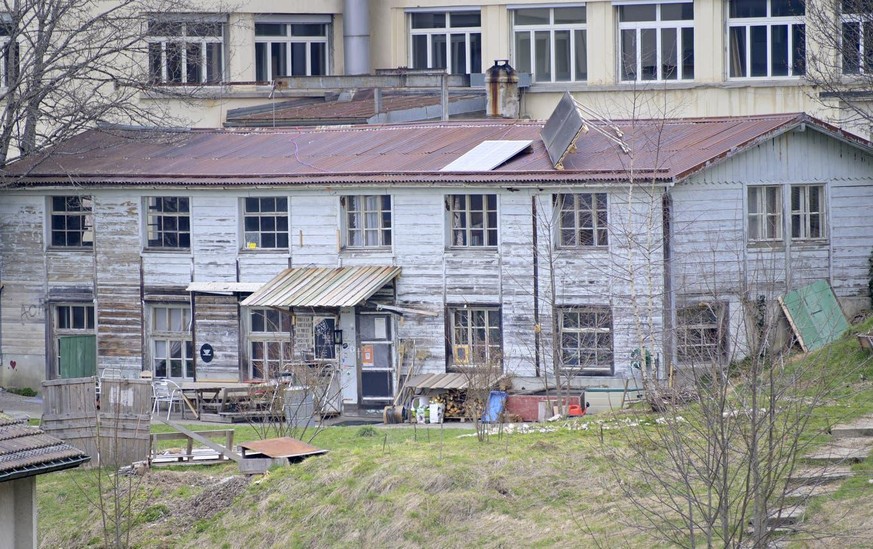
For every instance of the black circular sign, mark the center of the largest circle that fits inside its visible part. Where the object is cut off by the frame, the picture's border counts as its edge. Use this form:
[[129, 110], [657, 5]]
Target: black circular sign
[[206, 353]]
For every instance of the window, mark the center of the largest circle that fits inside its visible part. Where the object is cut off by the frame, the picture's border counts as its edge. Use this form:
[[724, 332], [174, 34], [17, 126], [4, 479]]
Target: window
[[290, 49], [367, 220], [766, 38], [586, 340], [657, 41], [476, 336], [171, 344], [9, 52], [75, 343], [551, 43], [583, 219], [72, 222], [807, 212], [168, 222], [702, 333], [446, 40], [265, 222], [765, 213], [857, 36], [473, 219], [186, 51], [270, 343]]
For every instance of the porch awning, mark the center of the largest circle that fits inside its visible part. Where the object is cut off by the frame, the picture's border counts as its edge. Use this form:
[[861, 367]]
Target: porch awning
[[223, 287], [321, 287]]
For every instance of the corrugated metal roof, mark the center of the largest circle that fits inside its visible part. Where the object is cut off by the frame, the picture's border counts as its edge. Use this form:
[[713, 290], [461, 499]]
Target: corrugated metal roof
[[321, 287], [664, 150], [438, 381], [27, 451], [223, 287], [283, 447]]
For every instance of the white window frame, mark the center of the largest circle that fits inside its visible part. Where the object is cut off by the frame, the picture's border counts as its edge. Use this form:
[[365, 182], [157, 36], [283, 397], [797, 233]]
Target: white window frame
[[362, 219], [9, 48], [760, 217], [446, 32], [168, 334], [768, 21], [603, 326], [85, 215], [253, 239], [598, 216], [157, 218], [804, 216], [183, 40], [658, 25], [466, 351], [89, 327], [864, 43], [273, 333], [288, 40], [461, 225], [713, 345], [575, 31]]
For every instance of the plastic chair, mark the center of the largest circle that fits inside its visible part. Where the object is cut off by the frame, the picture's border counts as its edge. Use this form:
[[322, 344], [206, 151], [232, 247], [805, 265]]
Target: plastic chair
[[166, 390]]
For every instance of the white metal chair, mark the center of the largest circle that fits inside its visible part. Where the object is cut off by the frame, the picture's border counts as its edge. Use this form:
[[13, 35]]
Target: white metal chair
[[166, 391]]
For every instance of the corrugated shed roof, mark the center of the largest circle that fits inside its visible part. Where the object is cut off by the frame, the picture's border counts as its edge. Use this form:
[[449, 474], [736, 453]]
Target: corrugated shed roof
[[664, 150], [26, 451], [321, 287]]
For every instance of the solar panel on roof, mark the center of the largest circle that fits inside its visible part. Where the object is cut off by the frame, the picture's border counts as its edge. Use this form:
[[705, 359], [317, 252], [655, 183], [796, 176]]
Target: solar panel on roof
[[486, 156], [562, 129]]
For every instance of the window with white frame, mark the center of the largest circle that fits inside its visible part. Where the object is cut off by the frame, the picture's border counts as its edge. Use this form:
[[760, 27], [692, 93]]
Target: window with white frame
[[765, 213], [168, 222], [472, 220], [586, 340], [292, 48], [476, 337], [9, 51], [367, 220], [807, 212], [172, 347], [701, 331], [72, 222], [551, 43], [657, 41], [74, 340], [449, 40], [766, 38], [269, 343], [857, 36], [265, 222], [186, 51], [583, 219]]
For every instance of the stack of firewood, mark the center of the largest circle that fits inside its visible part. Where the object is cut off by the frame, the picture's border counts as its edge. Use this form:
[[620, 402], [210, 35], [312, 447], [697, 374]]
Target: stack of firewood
[[453, 401]]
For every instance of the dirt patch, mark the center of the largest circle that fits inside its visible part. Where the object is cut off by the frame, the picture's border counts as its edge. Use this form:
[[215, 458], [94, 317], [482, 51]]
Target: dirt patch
[[213, 499]]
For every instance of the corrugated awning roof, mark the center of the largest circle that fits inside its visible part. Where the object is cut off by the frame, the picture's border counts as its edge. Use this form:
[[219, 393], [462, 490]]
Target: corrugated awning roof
[[223, 287], [321, 287]]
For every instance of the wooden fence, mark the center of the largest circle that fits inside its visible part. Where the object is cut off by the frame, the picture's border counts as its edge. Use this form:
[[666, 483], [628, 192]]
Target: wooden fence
[[116, 433]]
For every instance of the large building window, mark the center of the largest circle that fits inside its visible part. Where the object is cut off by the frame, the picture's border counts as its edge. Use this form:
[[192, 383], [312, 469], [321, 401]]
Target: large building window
[[857, 36], [290, 49], [367, 220], [446, 40], [168, 222], [586, 340], [75, 342], [657, 41], [766, 38], [476, 336], [265, 222], [551, 43], [187, 51], [765, 213], [701, 333], [72, 222], [583, 219], [472, 220], [171, 343], [9, 52], [270, 343], [807, 212]]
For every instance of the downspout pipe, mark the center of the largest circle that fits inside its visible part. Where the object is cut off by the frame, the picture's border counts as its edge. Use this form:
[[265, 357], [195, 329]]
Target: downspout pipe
[[356, 36]]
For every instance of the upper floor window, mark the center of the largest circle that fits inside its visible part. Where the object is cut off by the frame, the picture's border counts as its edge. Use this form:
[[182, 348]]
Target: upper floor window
[[168, 222], [857, 36], [551, 43], [766, 38], [290, 49], [807, 212], [586, 340], [446, 40], [187, 51], [265, 222], [657, 41], [72, 222], [367, 220], [765, 213], [475, 336], [8, 52], [472, 219], [583, 219]]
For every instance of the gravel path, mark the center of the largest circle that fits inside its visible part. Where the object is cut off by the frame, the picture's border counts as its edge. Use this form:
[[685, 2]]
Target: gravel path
[[18, 406]]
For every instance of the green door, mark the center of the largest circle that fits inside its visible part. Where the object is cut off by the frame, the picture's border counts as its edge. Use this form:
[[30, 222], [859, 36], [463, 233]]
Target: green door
[[78, 356]]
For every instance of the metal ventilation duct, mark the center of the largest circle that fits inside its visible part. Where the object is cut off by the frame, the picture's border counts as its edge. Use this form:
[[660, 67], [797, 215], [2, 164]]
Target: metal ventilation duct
[[356, 36]]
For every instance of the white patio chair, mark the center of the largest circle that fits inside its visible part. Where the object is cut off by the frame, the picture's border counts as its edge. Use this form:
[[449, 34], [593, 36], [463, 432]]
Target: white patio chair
[[166, 391]]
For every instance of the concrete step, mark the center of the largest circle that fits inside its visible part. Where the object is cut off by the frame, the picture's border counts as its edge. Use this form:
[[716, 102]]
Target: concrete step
[[806, 491], [786, 517], [842, 450], [820, 475], [862, 427]]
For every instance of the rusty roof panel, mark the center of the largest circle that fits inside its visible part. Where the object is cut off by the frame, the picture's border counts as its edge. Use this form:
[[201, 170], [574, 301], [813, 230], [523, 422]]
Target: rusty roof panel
[[321, 287], [284, 447]]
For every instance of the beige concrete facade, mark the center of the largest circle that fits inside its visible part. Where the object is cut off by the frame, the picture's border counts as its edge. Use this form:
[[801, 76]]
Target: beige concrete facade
[[18, 514]]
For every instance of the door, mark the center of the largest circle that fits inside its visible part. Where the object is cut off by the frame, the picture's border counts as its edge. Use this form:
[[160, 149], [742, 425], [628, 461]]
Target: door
[[377, 357], [77, 356]]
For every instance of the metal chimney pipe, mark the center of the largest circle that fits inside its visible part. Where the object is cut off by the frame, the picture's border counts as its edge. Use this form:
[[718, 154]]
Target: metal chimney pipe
[[356, 36]]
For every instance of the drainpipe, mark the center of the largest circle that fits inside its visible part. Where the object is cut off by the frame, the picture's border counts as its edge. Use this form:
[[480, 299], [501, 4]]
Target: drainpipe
[[356, 36]]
